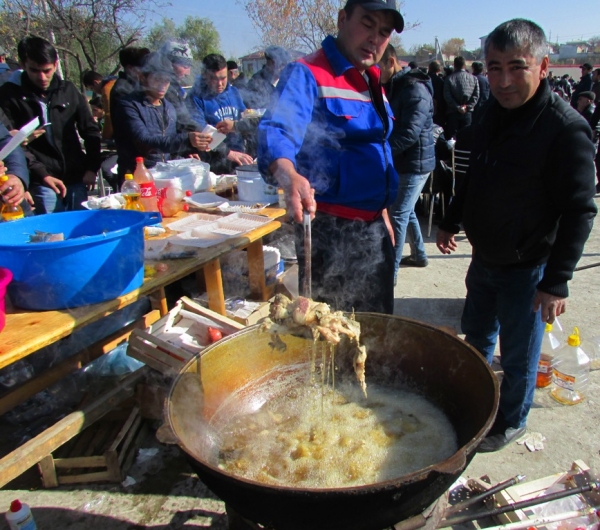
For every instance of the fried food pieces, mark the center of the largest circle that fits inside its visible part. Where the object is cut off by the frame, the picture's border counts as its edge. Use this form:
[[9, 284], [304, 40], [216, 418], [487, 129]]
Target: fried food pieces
[[305, 317]]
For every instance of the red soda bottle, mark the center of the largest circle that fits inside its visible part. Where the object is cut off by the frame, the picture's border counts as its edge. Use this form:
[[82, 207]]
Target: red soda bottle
[[147, 187]]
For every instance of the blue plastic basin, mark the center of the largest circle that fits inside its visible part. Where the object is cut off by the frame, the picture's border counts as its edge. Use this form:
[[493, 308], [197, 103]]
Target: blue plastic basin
[[101, 258]]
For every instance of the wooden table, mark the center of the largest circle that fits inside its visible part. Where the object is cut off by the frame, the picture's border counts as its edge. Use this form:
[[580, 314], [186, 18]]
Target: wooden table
[[28, 331]]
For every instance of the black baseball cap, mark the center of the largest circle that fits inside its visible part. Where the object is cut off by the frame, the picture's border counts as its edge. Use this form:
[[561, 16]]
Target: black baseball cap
[[381, 5], [587, 66]]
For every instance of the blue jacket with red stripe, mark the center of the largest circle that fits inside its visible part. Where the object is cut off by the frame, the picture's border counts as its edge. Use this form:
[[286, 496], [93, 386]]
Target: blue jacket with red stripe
[[333, 125]]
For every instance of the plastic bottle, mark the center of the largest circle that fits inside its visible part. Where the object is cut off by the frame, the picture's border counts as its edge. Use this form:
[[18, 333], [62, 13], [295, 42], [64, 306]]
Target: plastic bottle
[[131, 193], [10, 212], [19, 517], [550, 343], [144, 178], [172, 200], [570, 372]]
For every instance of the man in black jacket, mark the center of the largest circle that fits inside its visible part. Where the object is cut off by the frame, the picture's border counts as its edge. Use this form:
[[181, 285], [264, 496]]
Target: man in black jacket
[[531, 166], [61, 171]]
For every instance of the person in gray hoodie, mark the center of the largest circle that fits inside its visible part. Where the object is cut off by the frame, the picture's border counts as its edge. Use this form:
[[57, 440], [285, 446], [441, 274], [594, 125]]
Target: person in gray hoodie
[[411, 98]]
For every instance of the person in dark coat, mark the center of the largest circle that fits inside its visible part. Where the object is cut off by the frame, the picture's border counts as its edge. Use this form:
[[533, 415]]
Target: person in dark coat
[[413, 149], [439, 103], [263, 83], [527, 207], [585, 83], [484, 85], [61, 171]]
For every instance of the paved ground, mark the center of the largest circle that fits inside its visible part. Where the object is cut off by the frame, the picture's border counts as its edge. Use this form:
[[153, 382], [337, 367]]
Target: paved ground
[[167, 495]]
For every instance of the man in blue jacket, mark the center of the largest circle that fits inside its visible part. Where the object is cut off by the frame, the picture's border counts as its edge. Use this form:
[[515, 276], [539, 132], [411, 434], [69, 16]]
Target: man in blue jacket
[[324, 140], [215, 102], [411, 98]]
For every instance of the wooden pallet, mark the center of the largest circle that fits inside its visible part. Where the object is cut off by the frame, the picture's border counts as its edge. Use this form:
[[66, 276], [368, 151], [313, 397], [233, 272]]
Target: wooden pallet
[[103, 452]]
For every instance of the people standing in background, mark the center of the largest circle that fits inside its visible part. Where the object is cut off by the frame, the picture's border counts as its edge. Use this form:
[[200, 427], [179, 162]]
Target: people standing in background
[[439, 103], [461, 92], [61, 171], [180, 56], [596, 83], [411, 98], [102, 87], [527, 207], [585, 83], [215, 102], [263, 83], [323, 140], [586, 107], [484, 85]]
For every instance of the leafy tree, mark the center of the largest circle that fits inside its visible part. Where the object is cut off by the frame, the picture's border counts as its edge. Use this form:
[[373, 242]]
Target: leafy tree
[[453, 47], [295, 24], [419, 49], [199, 33]]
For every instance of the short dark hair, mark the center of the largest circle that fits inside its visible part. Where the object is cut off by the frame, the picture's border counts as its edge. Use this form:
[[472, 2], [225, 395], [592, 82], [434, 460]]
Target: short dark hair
[[39, 50], [389, 51], [89, 77], [477, 67], [518, 34], [132, 56], [459, 62], [214, 62], [412, 65], [156, 63], [232, 65], [435, 67]]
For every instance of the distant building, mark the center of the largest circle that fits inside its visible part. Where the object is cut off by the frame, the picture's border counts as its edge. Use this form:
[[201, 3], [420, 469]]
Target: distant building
[[255, 61]]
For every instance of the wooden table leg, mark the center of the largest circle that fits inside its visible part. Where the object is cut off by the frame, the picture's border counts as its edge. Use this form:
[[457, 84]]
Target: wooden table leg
[[158, 300], [214, 286], [256, 270]]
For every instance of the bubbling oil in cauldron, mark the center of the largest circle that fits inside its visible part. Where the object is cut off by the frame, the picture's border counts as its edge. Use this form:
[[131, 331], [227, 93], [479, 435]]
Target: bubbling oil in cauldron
[[314, 434]]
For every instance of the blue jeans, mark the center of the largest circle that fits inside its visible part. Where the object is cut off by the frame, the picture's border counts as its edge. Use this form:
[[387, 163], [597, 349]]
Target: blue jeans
[[403, 217], [500, 302], [46, 201]]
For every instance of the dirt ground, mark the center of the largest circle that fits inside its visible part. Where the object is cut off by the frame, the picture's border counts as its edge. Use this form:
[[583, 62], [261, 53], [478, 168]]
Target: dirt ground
[[161, 491]]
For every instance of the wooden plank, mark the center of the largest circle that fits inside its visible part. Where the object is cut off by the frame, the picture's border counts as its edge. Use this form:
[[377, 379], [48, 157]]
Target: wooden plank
[[124, 429], [100, 476], [79, 461], [159, 301], [131, 434], [112, 463], [140, 437], [145, 348], [48, 471], [34, 450], [225, 321], [19, 395], [214, 286]]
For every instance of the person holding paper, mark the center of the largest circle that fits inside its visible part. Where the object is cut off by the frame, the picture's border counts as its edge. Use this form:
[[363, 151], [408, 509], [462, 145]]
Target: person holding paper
[[148, 121], [61, 171], [15, 167]]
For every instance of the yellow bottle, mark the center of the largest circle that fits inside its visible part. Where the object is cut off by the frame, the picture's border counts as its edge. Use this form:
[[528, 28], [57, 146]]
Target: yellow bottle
[[10, 212], [132, 194]]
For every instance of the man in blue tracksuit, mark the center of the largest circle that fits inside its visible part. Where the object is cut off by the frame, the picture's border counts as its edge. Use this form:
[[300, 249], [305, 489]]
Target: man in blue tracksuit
[[324, 140]]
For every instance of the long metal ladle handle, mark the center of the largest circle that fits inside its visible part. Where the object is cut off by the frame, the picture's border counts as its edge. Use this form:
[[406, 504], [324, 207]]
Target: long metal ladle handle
[[307, 286]]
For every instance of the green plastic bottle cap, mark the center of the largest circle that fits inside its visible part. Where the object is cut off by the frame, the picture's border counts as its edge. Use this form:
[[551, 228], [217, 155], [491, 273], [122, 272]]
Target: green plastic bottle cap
[[548, 327], [574, 339]]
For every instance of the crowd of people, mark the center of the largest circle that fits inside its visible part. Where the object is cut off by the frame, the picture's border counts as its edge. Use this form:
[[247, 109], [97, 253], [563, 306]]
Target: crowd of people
[[145, 111], [352, 138]]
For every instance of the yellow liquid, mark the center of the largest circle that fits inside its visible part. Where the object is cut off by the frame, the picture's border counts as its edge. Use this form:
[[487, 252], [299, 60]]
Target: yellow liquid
[[12, 213], [132, 202]]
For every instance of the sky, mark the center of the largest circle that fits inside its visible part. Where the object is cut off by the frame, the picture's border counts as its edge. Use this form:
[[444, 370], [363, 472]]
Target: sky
[[444, 19]]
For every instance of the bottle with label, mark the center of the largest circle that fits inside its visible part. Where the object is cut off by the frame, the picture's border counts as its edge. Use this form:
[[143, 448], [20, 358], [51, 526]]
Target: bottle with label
[[10, 212], [570, 372], [19, 517], [550, 343], [145, 180], [132, 193]]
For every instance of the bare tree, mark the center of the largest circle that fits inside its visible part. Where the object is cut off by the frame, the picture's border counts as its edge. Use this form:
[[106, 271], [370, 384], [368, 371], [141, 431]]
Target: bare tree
[[296, 24], [87, 33]]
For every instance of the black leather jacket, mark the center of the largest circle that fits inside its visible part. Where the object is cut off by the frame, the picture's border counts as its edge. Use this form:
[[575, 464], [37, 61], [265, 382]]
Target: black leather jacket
[[529, 193]]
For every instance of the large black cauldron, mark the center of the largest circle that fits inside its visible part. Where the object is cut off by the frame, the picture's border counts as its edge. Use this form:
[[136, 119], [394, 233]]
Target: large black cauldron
[[401, 351]]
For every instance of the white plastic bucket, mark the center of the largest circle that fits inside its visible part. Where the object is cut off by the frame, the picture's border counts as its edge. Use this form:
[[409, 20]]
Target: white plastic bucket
[[252, 187]]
